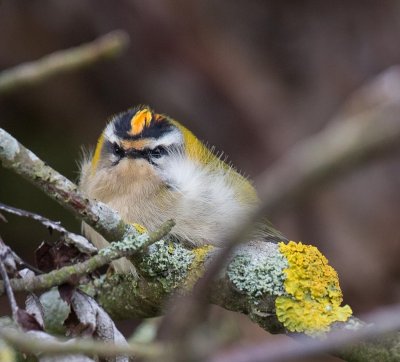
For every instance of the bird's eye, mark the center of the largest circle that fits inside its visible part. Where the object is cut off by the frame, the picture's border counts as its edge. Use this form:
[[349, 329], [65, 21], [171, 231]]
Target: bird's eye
[[158, 152], [118, 151]]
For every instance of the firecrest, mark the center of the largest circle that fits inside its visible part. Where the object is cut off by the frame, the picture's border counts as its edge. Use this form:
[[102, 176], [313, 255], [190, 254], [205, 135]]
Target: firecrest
[[150, 168]]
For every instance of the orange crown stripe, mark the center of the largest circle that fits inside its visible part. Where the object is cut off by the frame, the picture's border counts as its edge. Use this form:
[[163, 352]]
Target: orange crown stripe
[[140, 120]]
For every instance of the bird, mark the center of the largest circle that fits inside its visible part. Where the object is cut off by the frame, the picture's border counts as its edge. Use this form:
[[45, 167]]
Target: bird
[[150, 168]]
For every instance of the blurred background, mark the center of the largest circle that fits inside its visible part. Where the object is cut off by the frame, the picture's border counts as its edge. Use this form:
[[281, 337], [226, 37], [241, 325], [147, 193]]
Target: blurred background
[[250, 77]]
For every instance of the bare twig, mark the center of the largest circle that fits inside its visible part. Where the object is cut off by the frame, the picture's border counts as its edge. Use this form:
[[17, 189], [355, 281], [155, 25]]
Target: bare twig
[[62, 275], [2, 218], [23, 263], [5, 254], [32, 343], [74, 239], [107, 46]]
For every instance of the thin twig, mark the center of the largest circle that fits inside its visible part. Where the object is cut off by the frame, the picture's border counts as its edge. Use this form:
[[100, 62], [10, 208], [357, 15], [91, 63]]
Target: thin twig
[[105, 47], [2, 218], [71, 238], [4, 254], [62, 275], [53, 225], [30, 343], [23, 263]]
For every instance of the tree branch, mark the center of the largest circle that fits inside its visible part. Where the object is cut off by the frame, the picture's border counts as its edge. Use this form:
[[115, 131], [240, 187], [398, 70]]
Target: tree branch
[[29, 342], [24, 162], [127, 247], [6, 256], [105, 47], [80, 242]]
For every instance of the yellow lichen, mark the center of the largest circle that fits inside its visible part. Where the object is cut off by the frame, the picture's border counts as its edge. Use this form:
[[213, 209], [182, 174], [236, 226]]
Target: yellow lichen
[[139, 228], [196, 268], [171, 248], [313, 295]]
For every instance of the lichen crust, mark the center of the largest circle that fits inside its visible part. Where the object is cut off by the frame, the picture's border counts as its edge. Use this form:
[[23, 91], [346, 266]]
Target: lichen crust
[[312, 300], [196, 267], [132, 241], [8, 145], [108, 218], [167, 261], [258, 274]]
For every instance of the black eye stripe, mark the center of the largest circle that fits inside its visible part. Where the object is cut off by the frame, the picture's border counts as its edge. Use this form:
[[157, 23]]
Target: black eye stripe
[[148, 154], [118, 151]]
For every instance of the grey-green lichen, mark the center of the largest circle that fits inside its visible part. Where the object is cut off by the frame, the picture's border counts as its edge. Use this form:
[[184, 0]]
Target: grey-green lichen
[[123, 296], [167, 261], [259, 273], [8, 145], [109, 219], [132, 240]]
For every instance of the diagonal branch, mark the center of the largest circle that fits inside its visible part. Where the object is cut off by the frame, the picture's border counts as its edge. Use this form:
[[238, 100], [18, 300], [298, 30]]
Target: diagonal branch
[[70, 238], [127, 247], [24, 162], [6, 255], [105, 47]]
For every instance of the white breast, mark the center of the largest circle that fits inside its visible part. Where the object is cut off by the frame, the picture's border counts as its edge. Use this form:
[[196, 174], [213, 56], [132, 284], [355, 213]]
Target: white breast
[[204, 201]]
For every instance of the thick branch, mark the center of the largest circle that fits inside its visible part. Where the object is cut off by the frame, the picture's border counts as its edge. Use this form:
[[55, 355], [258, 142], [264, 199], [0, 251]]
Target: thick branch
[[24, 162], [107, 46]]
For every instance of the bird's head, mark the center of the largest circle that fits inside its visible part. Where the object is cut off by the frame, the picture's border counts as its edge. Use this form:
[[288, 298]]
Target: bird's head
[[137, 137], [134, 147]]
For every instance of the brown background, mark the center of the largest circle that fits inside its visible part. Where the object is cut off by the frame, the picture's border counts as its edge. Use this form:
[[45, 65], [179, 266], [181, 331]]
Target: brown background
[[250, 77]]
